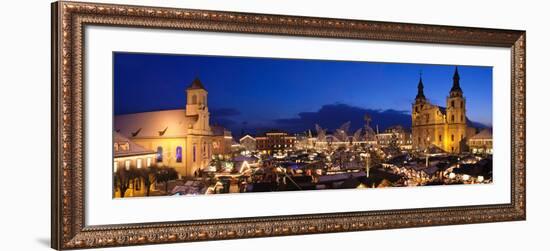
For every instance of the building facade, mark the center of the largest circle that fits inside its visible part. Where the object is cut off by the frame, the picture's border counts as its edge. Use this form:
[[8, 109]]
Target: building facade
[[248, 143], [482, 143], [272, 142], [395, 133], [221, 140], [443, 127], [180, 138], [127, 154]]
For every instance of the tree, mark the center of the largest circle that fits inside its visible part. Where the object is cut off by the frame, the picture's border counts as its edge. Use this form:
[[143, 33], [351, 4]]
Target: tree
[[123, 178], [149, 176], [166, 174], [393, 146]]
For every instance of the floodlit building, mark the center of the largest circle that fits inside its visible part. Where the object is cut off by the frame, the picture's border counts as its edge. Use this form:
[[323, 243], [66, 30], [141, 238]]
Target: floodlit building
[[248, 143], [482, 142], [402, 138], [221, 140], [274, 141], [180, 138], [128, 154], [445, 127]]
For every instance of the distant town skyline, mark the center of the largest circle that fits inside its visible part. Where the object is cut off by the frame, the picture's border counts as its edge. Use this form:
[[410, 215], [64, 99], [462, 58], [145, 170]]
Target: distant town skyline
[[252, 95]]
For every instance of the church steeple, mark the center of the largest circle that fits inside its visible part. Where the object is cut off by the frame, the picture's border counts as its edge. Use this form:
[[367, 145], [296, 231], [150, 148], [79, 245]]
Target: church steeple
[[196, 84], [456, 90], [420, 94]]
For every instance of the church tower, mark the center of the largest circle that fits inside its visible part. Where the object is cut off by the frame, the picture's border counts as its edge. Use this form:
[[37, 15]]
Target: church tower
[[456, 117], [417, 116], [197, 105]]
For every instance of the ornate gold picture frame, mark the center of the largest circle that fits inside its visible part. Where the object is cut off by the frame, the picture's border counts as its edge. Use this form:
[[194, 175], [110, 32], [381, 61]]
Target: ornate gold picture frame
[[69, 230]]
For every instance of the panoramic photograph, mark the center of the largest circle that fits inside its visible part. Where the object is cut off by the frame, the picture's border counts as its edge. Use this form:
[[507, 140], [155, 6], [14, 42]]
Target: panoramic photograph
[[193, 125]]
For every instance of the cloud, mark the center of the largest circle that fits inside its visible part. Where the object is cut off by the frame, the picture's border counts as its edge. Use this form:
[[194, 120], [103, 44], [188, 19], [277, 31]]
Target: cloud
[[331, 116], [224, 117]]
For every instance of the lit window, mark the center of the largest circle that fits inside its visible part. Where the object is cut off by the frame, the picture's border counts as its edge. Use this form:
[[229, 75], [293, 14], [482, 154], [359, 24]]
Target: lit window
[[138, 163], [149, 162], [115, 166], [178, 154], [159, 154], [127, 164]]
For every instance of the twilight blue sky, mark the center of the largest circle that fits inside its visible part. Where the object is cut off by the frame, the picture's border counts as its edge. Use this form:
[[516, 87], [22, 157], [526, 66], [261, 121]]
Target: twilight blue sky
[[257, 94]]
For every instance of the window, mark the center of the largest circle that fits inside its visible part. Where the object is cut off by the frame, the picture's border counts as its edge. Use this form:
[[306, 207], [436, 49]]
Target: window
[[452, 137], [178, 154], [453, 103], [194, 99], [116, 147], [127, 164], [440, 138], [452, 118], [159, 154], [461, 104], [124, 147], [138, 163], [462, 118], [194, 153], [115, 166], [149, 162], [427, 118]]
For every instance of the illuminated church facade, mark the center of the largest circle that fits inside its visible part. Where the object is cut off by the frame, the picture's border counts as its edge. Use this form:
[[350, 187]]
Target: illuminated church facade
[[181, 138], [443, 127]]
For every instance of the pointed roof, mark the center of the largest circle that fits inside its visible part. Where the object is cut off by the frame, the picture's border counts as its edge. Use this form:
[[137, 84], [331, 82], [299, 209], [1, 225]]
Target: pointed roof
[[486, 133], [196, 84], [456, 83], [420, 94]]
